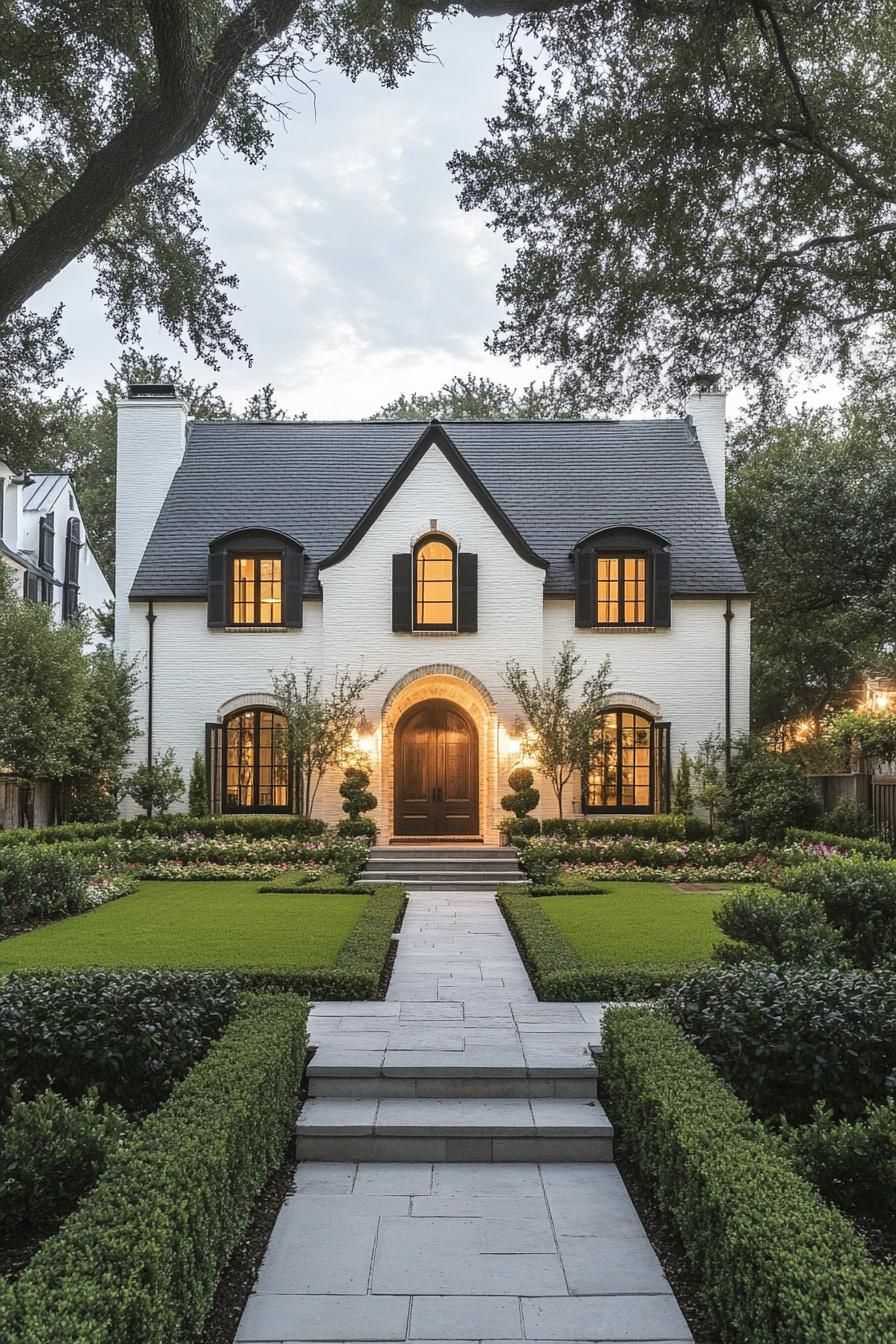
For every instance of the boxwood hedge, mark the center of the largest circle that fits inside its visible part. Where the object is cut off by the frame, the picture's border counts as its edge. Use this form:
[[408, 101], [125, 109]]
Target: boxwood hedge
[[777, 1263], [259, 827], [559, 973], [139, 1261]]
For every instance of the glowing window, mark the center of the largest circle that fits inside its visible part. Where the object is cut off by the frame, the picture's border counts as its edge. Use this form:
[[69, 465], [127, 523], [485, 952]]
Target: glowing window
[[256, 766], [434, 584], [257, 590], [621, 590], [621, 767]]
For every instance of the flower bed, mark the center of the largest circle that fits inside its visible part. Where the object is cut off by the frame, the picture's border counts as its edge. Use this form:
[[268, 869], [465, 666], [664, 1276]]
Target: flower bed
[[759, 870], [179, 870], [139, 1261]]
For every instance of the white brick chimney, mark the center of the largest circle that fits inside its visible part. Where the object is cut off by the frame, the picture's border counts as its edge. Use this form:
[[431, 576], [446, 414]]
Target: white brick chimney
[[706, 407], [152, 429]]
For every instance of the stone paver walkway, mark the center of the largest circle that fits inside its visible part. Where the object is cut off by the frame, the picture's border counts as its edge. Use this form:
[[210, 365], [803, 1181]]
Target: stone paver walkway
[[463, 1251]]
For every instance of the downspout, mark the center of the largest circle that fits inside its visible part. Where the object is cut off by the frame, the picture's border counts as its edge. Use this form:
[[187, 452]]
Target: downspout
[[151, 620], [729, 617]]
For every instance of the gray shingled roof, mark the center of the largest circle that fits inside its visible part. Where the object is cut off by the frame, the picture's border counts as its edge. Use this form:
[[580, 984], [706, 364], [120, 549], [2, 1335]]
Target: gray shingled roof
[[558, 481]]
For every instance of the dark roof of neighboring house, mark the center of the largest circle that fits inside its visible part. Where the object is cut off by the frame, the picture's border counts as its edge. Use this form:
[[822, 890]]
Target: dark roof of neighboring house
[[554, 482]]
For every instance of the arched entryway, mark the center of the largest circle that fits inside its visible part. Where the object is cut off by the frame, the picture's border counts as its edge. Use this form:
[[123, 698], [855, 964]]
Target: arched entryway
[[436, 765]]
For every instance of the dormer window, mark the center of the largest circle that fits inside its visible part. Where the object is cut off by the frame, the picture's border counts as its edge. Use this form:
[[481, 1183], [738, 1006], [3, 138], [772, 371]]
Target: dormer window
[[623, 580], [256, 589], [255, 581], [434, 584]]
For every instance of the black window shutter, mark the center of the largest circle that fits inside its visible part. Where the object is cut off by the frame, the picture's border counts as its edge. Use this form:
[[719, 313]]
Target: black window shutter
[[662, 589], [401, 591], [586, 606], [293, 578], [32, 587], [217, 588], [467, 592], [213, 766]]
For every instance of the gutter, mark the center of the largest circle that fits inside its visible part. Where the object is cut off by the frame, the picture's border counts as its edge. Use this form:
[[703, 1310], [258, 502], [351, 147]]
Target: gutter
[[729, 617], [151, 619]]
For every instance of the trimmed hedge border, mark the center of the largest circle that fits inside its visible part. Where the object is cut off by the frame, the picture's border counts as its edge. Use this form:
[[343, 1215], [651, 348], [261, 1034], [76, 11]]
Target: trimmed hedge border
[[172, 824], [139, 1261], [660, 826], [777, 1262], [870, 847], [559, 973]]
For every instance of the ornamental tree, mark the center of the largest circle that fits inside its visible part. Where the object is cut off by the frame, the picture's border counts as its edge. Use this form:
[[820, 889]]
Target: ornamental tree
[[563, 722], [154, 787], [320, 726]]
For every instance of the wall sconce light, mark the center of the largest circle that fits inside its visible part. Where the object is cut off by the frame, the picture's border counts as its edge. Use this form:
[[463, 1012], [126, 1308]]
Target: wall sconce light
[[364, 739]]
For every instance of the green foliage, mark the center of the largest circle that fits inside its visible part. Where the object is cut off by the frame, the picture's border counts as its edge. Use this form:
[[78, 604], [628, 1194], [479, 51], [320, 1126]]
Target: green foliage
[[682, 793], [43, 688], [361, 826], [523, 798], [140, 1259], [129, 1034], [563, 725], [852, 1162], [155, 787], [775, 1262], [709, 776], [355, 793], [519, 828], [847, 817], [197, 794], [40, 882], [51, 1152], [261, 826], [785, 1037], [809, 499], [320, 728], [469, 397], [660, 826], [95, 782], [858, 895], [777, 925], [766, 794], [867, 733]]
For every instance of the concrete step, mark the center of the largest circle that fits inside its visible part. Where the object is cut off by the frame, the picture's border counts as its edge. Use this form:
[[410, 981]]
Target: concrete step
[[427, 865], [332, 1072], [439, 882], [458, 852], [442, 1130]]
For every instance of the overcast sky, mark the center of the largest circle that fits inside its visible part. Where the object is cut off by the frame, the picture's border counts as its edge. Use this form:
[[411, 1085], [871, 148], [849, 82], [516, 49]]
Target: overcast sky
[[360, 277]]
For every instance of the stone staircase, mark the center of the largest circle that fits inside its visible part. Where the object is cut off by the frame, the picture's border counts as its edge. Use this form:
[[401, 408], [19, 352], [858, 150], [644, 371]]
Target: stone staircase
[[451, 1111], [433, 867]]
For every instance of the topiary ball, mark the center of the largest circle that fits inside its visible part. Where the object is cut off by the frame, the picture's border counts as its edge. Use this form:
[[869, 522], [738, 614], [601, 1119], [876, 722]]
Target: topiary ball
[[521, 778]]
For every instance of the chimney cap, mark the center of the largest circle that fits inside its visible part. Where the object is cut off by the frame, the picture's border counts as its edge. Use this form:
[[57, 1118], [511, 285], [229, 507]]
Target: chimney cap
[[706, 382], [137, 391]]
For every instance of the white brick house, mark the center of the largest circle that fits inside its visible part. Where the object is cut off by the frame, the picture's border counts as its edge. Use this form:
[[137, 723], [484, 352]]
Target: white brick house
[[436, 552]]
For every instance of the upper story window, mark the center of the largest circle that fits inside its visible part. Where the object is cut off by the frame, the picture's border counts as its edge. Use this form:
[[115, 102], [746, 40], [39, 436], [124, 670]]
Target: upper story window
[[256, 589], [45, 544], [621, 591], [434, 584], [623, 579], [255, 581]]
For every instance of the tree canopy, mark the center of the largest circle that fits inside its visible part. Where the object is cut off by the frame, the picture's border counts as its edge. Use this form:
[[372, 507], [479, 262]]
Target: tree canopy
[[694, 184], [810, 504], [468, 397]]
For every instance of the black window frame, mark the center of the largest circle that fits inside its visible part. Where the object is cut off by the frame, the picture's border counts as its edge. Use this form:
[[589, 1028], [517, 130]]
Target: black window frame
[[622, 556], [71, 586], [255, 807], [257, 556], [619, 808], [418, 546]]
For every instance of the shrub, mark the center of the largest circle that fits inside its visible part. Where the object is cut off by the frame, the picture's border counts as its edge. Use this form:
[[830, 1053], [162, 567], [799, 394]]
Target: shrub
[[848, 817], [197, 795], [682, 793], [660, 826], [765, 793], [360, 826], [51, 1152], [847, 844], [776, 1263], [853, 1162], [858, 896], [517, 828], [784, 926], [786, 1037], [155, 787], [139, 1261], [129, 1034], [523, 797], [540, 863], [354, 792], [41, 882]]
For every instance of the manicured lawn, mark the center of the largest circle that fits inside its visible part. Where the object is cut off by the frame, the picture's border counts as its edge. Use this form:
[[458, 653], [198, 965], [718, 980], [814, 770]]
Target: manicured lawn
[[638, 922], [194, 924]]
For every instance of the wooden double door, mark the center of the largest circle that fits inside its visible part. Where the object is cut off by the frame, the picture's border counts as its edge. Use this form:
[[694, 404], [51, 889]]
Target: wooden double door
[[436, 771]]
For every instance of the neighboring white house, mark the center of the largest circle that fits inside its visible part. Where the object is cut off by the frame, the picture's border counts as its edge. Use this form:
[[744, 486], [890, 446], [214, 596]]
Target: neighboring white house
[[436, 552], [44, 542]]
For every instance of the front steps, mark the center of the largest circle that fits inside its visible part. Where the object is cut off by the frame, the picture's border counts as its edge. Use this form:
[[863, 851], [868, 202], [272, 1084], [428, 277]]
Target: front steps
[[449, 1111], [443, 867]]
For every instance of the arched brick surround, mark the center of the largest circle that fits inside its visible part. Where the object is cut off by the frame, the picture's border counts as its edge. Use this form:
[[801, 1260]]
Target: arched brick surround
[[444, 681], [250, 701], [627, 700]]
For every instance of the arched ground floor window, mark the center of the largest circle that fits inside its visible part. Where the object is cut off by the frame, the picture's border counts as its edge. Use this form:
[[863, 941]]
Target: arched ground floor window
[[629, 766], [256, 763]]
